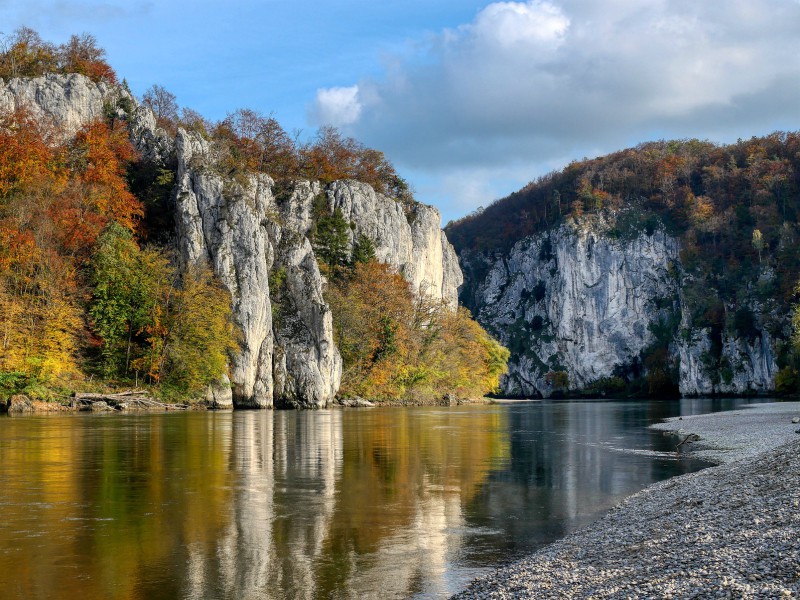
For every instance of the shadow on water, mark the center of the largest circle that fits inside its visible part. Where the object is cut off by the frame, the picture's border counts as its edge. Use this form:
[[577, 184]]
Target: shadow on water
[[359, 503]]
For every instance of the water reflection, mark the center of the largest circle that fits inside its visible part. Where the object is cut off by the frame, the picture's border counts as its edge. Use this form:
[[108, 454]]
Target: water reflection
[[345, 504]]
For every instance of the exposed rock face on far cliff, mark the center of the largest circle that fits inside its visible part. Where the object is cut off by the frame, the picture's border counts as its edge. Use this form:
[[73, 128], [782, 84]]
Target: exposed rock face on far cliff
[[585, 302], [573, 300]]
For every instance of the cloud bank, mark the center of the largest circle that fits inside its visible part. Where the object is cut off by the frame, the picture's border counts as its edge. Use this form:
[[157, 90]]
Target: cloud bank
[[528, 85]]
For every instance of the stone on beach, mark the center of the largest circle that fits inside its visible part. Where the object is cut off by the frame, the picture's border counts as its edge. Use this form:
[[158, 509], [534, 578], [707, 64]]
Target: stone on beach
[[728, 531]]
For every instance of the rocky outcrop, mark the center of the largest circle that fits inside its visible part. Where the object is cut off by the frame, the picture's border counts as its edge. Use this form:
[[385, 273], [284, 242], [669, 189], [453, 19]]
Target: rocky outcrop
[[19, 404], [407, 236], [743, 367], [585, 302], [255, 237], [218, 393], [68, 101], [575, 301], [235, 227]]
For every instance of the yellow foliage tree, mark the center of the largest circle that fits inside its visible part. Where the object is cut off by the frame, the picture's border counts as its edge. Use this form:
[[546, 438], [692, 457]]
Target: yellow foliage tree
[[399, 345]]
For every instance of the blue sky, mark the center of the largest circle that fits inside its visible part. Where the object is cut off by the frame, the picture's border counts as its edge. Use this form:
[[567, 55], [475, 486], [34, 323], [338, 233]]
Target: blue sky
[[470, 99]]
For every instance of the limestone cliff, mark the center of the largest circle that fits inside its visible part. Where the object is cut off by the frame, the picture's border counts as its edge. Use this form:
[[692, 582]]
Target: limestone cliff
[[581, 300], [69, 101], [573, 300], [256, 240], [255, 236], [406, 235]]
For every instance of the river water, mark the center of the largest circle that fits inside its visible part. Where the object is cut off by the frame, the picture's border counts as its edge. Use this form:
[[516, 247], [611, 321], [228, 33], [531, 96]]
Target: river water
[[382, 503]]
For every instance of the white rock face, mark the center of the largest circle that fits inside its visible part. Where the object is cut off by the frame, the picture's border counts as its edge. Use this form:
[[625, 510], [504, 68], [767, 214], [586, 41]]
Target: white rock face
[[749, 365], [572, 300], [235, 228], [576, 300], [70, 101], [218, 393], [412, 243]]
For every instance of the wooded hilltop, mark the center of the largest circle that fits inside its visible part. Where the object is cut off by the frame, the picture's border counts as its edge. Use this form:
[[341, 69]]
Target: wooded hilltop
[[725, 220]]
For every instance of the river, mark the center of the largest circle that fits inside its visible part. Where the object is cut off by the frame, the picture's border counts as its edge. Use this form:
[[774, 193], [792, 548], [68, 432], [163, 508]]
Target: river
[[364, 503]]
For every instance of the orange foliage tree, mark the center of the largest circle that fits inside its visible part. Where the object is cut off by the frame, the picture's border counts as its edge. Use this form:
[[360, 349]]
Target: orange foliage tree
[[400, 345], [54, 201], [25, 54]]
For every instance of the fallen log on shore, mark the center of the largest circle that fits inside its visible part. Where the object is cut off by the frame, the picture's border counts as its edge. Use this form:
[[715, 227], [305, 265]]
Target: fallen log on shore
[[127, 400]]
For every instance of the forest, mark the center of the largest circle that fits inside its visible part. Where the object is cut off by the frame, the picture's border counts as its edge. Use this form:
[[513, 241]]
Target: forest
[[734, 209], [91, 295]]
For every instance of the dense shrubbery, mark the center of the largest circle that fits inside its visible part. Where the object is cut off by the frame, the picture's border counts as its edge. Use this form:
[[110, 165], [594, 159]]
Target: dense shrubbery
[[54, 202], [248, 141], [253, 142], [152, 322], [398, 345], [77, 293]]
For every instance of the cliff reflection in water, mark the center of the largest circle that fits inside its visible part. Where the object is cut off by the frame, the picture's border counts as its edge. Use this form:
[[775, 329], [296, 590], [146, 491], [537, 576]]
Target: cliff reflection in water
[[381, 503], [316, 512]]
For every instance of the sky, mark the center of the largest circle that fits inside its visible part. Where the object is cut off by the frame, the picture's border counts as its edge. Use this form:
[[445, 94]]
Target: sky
[[469, 99]]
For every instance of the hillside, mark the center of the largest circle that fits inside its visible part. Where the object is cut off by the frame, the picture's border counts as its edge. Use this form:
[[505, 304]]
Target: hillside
[[669, 266], [144, 244]]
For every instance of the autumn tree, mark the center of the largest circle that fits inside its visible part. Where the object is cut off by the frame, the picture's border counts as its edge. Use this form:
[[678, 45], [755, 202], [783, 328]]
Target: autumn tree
[[82, 55], [98, 193], [331, 157], [163, 104], [200, 334], [39, 313], [257, 143], [398, 344], [25, 54]]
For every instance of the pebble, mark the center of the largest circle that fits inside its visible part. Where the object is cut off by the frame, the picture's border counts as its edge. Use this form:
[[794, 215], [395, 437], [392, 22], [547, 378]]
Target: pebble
[[664, 542]]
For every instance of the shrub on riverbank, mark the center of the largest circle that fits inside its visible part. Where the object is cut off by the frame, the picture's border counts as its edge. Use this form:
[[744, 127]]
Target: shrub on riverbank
[[399, 345]]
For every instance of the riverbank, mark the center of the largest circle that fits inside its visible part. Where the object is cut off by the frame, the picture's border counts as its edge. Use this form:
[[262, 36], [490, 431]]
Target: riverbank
[[732, 530], [132, 401]]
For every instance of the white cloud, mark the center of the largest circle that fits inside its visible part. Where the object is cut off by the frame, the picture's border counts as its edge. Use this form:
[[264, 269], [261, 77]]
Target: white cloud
[[507, 24], [525, 82], [336, 106]]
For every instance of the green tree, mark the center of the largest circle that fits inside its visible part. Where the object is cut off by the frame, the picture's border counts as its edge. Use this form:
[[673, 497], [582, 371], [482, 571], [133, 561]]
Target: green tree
[[363, 250], [330, 235], [128, 286]]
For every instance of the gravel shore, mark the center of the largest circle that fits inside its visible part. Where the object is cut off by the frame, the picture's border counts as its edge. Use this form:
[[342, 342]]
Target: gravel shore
[[729, 531]]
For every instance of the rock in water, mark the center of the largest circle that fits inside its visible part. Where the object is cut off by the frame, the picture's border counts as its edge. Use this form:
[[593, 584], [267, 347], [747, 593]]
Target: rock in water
[[218, 394]]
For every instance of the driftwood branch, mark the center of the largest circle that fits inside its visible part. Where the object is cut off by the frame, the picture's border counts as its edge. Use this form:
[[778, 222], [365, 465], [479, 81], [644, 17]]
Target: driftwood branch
[[692, 437], [128, 400]]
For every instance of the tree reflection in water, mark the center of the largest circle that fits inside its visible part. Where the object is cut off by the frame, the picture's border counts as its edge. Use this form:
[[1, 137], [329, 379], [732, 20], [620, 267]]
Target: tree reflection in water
[[331, 503]]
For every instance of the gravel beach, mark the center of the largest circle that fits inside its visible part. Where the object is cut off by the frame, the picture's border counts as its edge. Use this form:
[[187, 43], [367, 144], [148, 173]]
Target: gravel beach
[[729, 531]]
